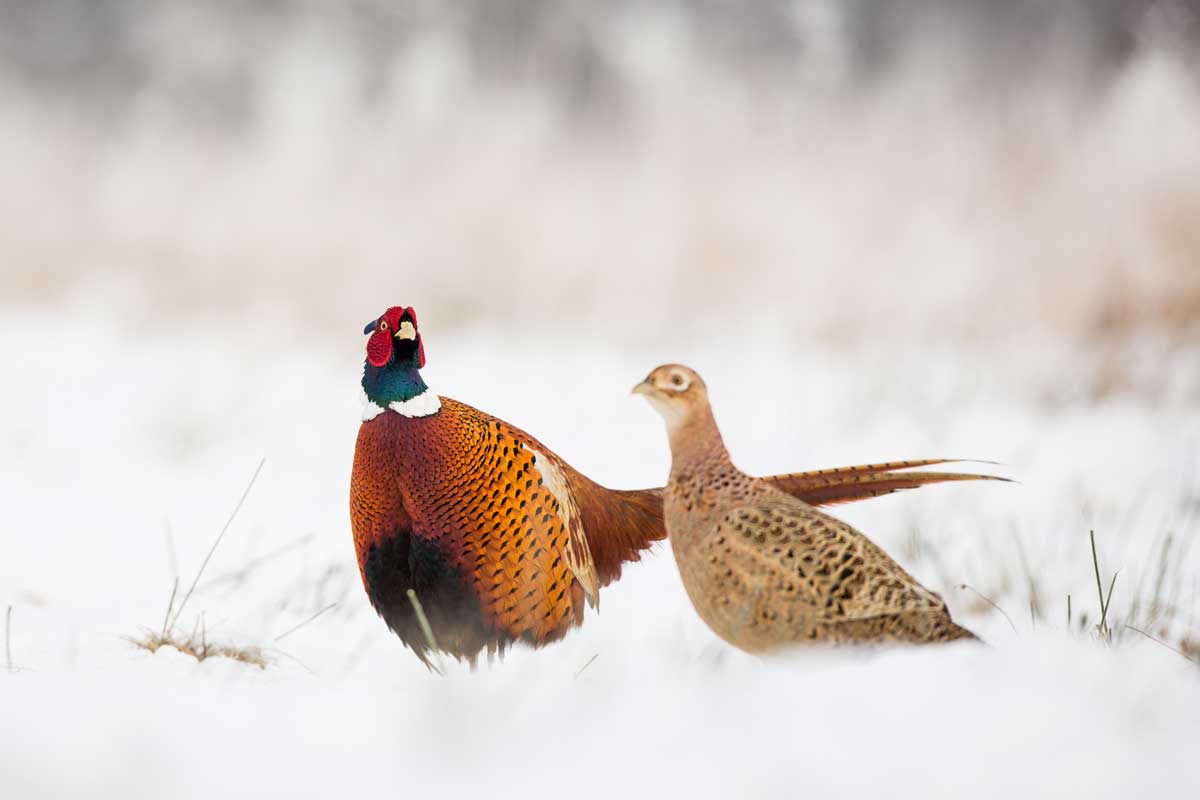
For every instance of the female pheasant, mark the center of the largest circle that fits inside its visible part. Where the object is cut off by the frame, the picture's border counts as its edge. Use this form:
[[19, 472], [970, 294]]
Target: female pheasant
[[764, 569], [499, 538]]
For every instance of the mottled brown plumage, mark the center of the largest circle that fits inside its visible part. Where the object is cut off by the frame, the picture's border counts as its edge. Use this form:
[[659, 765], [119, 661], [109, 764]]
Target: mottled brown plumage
[[764, 569]]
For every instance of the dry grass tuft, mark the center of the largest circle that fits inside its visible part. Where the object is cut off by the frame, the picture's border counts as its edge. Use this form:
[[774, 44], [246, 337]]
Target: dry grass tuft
[[196, 645], [199, 648]]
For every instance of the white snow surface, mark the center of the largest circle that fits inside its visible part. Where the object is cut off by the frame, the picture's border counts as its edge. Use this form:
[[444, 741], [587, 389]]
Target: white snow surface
[[126, 444]]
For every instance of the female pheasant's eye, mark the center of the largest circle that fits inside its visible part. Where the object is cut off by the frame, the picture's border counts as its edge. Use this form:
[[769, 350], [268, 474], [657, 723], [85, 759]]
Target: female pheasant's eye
[[677, 380]]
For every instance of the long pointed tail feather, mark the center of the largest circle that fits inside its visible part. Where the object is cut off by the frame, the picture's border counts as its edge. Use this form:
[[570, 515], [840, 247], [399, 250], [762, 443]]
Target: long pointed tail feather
[[845, 473], [831, 487]]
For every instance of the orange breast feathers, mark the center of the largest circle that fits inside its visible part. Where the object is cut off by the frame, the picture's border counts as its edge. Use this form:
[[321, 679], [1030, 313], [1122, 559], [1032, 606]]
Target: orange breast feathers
[[495, 504]]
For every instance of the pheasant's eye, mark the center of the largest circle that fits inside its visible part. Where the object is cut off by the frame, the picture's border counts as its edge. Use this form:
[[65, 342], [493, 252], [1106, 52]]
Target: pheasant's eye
[[677, 379], [383, 325]]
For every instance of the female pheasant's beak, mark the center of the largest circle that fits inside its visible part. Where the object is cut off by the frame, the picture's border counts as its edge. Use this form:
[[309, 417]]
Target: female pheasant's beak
[[649, 390]]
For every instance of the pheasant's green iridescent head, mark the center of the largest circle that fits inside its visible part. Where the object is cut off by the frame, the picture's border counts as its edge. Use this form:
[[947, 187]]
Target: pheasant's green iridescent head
[[395, 354]]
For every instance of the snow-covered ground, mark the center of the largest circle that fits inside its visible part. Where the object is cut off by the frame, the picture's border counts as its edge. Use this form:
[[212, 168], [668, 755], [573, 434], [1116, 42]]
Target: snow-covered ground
[[128, 440]]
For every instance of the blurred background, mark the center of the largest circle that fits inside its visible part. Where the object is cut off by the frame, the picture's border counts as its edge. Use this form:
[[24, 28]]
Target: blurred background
[[881, 230], [964, 168]]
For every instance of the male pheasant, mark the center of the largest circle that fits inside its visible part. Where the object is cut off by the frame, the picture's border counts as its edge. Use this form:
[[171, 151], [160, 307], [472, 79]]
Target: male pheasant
[[765, 569], [499, 538]]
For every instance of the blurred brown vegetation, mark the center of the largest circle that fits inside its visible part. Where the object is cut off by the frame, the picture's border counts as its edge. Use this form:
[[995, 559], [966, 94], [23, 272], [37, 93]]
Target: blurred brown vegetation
[[817, 168]]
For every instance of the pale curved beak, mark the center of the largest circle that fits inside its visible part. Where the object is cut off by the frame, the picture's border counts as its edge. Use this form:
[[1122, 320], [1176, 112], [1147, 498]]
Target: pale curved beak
[[645, 387], [406, 331]]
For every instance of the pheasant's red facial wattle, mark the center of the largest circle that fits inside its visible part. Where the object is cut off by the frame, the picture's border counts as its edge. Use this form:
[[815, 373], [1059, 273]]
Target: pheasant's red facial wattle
[[379, 348], [395, 333]]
